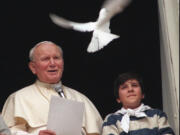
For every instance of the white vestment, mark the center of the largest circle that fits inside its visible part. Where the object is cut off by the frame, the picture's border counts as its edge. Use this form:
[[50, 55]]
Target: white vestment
[[27, 109]]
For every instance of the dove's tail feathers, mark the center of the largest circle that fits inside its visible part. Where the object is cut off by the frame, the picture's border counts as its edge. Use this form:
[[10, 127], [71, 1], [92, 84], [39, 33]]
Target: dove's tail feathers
[[60, 21], [99, 40]]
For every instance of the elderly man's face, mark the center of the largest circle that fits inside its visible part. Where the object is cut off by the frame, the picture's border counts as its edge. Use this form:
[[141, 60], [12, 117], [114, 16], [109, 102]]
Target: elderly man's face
[[48, 63]]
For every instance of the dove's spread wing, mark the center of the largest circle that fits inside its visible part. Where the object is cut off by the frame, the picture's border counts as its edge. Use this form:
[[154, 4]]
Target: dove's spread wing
[[110, 8], [115, 6], [72, 25], [99, 40]]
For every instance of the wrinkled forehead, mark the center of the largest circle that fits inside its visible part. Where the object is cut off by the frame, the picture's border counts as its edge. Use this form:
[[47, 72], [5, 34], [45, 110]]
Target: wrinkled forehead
[[45, 47]]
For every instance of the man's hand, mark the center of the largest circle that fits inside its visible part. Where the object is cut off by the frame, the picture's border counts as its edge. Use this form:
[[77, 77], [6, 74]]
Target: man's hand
[[46, 132]]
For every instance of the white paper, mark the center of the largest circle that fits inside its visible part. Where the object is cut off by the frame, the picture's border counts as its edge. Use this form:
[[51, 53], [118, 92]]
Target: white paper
[[65, 116]]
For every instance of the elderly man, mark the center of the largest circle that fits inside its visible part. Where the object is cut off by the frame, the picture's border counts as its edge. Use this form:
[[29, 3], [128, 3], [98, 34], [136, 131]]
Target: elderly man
[[26, 110]]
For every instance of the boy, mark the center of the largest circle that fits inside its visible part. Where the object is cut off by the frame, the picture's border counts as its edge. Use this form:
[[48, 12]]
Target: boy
[[134, 118]]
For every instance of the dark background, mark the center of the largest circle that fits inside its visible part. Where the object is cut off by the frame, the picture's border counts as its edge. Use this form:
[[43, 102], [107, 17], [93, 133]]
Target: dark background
[[25, 23]]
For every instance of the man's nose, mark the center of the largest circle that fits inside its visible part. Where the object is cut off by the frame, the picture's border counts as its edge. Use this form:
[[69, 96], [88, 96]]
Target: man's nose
[[52, 62]]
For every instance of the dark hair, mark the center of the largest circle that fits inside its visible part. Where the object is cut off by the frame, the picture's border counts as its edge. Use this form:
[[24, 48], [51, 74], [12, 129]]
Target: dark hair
[[122, 78]]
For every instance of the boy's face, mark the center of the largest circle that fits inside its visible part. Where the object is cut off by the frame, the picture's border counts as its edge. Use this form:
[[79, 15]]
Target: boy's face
[[130, 94]]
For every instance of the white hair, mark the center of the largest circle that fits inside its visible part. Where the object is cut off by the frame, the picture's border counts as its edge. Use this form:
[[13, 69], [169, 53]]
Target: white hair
[[31, 52]]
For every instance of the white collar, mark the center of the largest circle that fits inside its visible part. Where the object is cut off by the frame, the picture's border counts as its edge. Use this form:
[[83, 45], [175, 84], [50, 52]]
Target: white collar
[[47, 85], [138, 112]]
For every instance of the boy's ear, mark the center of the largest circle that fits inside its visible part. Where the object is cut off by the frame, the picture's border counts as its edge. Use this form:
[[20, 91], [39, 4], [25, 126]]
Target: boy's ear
[[143, 96], [118, 100]]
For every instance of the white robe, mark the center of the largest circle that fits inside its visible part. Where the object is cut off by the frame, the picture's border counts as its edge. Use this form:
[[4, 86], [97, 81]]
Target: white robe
[[27, 109]]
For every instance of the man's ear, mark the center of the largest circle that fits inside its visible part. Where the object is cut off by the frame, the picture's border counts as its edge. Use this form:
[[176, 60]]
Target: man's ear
[[32, 67], [118, 100]]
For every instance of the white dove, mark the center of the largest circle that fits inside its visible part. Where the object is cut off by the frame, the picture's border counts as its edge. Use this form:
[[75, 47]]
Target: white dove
[[101, 32]]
